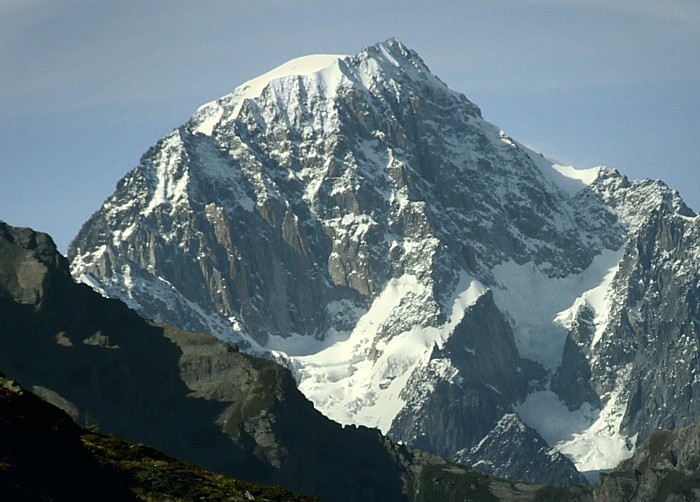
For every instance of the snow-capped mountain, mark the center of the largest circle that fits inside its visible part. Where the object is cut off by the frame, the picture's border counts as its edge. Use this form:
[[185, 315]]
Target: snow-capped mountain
[[419, 270]]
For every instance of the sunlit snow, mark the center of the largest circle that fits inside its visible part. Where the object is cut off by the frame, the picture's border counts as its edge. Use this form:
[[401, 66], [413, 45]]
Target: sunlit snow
[[576, 178], [537, 304], [171, 182], [542, 310], [208, 115], [589, 437], [305, 65], [358, 380], [598, 299]]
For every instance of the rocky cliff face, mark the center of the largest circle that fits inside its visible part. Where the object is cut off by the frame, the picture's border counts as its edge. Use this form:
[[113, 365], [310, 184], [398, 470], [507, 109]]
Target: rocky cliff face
[[637, 361], [514, 450], [30, 268], [418, 270]]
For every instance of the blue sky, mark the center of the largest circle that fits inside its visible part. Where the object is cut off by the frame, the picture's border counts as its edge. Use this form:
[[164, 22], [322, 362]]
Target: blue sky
[[86, 86]]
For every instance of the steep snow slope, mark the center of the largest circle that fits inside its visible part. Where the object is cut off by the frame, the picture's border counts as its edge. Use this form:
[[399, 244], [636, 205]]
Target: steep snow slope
[[353, 385]]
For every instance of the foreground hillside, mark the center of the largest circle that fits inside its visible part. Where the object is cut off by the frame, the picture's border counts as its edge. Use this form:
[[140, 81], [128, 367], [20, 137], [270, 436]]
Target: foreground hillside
[[46, 456]]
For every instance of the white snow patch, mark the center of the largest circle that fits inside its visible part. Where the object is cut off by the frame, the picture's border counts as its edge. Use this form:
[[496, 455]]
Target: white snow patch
[[302, 66], [576, 178], [599, 299], [120, 235], [543, 411], [589, 437], [171, 186], [358, 380], [89, 280], [536, 303], [567, 178], [297, 346], [207, 116], [83, 262]]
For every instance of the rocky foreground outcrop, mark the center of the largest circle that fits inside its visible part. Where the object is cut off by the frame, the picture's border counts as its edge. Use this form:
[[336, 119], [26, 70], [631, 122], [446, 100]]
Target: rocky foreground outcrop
[[47, 456]]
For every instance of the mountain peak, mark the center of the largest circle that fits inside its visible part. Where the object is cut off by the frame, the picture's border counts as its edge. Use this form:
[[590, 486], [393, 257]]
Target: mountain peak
[[301, 66], [350, 213], [393, 51], [210, 114], [324, 75]]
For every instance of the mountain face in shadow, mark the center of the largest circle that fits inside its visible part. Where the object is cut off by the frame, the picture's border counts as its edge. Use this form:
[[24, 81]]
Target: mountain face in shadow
[[189, 394], [47, 456]]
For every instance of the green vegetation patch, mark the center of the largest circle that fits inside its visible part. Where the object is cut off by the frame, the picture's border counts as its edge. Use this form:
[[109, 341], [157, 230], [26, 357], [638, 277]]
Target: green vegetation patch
[[552, 494], [153, 475], [447, 483], [677, 483]]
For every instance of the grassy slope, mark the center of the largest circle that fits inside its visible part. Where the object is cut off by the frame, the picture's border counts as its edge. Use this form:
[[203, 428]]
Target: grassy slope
[[44, 455]]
